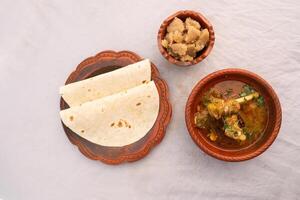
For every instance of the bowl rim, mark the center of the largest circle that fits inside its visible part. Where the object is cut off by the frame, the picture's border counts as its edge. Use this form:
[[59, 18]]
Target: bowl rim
[[269, 140], [198, 59]]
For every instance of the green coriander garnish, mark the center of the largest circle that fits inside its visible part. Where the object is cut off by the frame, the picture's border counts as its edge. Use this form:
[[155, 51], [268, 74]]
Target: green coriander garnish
[[260, 101], [247, 89]]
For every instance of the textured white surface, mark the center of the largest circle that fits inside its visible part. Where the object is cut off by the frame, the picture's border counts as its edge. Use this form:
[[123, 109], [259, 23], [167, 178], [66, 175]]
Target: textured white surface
[[41, 42]]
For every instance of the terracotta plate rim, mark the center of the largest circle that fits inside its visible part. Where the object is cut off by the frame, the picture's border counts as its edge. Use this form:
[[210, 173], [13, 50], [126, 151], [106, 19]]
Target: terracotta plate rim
[[162, 124]]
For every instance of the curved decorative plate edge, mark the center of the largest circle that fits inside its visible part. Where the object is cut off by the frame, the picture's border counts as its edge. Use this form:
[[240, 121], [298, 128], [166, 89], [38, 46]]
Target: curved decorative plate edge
[[164, 103]]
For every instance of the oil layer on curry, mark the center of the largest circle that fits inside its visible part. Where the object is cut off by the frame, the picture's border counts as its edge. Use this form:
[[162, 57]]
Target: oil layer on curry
[[232, 114]]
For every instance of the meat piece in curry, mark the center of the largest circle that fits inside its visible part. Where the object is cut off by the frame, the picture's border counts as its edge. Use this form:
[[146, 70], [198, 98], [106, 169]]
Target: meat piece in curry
[[232, 114]]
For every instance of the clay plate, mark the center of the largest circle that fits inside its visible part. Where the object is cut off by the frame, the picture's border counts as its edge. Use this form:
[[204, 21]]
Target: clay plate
[[183, 15], [108, 61], [271, 100]]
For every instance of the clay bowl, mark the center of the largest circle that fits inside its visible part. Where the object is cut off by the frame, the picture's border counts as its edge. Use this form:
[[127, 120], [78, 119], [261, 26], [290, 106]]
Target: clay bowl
[[183, 15], [107, 61], [272, 103]]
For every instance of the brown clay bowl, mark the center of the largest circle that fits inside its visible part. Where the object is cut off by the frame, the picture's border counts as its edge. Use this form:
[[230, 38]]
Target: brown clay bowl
[[107, 61], [274, 116], [183, 15]]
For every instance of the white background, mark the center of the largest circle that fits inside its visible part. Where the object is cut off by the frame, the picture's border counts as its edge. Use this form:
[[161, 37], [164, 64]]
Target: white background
[[42, 41]]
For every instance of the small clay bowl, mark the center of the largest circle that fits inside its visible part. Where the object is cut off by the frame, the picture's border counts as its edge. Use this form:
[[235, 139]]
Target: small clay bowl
[[183, 15], [272, 103], [107, 61]]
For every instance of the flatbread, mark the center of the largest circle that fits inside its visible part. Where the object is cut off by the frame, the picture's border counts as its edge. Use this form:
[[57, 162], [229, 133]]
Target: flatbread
[[106, 84], [116, 120]]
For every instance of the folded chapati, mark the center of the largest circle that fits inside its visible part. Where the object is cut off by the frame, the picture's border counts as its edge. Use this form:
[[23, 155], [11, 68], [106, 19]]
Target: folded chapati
[[116, 120], [106, 84]]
